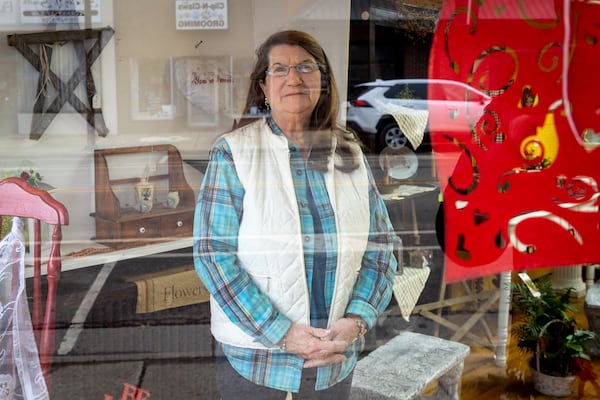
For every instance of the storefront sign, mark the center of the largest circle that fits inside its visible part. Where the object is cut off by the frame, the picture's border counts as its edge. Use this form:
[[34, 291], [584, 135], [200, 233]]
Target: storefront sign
[[196, 14], [45, 12]]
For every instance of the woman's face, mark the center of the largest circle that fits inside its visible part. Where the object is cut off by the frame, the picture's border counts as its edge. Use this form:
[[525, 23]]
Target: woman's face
[[296, 94]]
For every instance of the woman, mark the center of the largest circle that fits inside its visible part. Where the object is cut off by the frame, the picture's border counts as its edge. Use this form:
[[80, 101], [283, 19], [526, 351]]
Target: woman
[[291, 237]]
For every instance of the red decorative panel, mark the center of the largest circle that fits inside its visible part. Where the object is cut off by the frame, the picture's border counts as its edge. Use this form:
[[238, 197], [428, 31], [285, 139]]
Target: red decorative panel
[[520, 176]]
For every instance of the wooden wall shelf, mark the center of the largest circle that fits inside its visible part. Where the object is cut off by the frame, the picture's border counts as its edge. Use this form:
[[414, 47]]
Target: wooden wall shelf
[[117, 223]]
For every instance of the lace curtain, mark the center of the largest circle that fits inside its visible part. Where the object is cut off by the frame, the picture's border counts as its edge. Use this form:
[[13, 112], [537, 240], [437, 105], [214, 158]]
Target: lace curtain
[[20, 371]]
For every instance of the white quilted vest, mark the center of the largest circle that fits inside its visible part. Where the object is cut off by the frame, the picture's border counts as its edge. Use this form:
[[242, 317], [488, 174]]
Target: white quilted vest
[[270, 240]]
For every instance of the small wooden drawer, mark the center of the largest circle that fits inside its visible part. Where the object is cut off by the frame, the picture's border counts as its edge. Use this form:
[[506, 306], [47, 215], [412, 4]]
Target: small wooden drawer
[[177, 224], [141, 229]]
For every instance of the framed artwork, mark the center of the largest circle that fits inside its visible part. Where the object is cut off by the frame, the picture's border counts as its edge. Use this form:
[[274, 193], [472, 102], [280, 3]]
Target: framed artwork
[[153, 94], [206, 84]]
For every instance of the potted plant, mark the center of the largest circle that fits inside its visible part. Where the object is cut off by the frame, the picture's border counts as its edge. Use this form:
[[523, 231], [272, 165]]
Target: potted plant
[[546, 329]]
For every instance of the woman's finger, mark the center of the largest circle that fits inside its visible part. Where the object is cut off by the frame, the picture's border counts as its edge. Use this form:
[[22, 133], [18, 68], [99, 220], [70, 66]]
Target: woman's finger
[[333, 359]]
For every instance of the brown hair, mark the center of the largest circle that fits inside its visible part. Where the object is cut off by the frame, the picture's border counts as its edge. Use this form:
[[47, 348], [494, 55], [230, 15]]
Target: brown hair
[[323, 118]]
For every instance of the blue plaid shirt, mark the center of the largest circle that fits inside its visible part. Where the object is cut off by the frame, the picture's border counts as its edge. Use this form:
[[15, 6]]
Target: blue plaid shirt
[[217, 220]]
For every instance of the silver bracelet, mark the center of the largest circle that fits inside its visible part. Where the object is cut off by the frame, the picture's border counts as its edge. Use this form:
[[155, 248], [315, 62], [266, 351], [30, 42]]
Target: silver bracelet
[[283, 344]]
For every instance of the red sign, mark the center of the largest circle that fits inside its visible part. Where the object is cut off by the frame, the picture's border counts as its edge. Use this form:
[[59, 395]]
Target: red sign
[[520, 180]]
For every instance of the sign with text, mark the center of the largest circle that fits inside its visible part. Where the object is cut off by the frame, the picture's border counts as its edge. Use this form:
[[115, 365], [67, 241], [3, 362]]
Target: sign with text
[[169, 290], [197, 14], [47, 12]]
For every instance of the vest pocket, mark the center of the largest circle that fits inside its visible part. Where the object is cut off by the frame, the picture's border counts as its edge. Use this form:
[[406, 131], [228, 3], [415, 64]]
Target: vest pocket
[[263, 282]]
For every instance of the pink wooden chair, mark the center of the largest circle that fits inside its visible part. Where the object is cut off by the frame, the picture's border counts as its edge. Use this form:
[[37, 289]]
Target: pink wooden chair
[[19, 198]]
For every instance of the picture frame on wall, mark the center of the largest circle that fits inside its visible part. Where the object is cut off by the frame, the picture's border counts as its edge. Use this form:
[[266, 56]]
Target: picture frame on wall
[[153, 92], [206, 83]]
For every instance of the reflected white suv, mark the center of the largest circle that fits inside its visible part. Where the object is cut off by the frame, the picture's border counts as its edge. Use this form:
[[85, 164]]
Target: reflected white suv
[[369, 103]]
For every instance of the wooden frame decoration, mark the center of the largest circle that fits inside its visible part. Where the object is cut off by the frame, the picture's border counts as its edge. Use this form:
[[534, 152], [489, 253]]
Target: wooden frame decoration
[[43, 113]]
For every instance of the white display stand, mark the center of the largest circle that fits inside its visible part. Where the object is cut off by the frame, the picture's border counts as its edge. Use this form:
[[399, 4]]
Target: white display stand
[[569, 277]]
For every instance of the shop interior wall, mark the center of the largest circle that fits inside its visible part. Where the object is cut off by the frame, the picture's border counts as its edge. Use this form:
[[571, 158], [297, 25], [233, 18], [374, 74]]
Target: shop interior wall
[[152, 43], [63, 154], [145, 34]]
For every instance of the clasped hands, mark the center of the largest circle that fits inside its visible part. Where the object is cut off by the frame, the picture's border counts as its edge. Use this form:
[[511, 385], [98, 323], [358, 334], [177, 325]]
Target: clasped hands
[[319, 346]]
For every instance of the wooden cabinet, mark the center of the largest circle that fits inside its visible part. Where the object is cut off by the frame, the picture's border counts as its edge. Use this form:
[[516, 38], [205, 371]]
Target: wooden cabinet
[[119, 220]]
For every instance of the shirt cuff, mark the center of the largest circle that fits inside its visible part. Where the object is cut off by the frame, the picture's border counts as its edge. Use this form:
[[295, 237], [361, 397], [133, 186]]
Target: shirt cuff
[[275, 331], [363, 310]]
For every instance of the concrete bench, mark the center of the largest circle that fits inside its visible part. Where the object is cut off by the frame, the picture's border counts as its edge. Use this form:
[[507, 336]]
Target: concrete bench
[[403, 367]]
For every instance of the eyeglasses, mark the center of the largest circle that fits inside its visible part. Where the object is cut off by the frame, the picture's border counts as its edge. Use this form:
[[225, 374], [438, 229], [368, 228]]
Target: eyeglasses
[[302, 68]]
